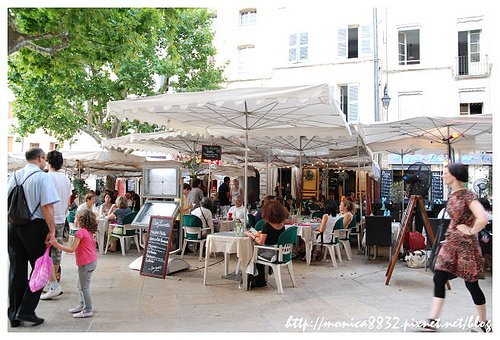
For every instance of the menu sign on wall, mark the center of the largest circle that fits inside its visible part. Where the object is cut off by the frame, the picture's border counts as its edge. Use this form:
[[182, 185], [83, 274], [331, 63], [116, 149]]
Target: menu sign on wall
[[385, 184], [211, 152], [157, 247], [436, 187]]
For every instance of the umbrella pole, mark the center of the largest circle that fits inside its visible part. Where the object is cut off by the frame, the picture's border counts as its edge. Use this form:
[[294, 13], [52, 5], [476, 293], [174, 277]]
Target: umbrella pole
[[357, 182], [402, 186], [300, 191], [246, 167]]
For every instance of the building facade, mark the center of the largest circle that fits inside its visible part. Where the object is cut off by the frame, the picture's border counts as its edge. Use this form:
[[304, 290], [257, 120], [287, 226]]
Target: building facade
[[430, 59]]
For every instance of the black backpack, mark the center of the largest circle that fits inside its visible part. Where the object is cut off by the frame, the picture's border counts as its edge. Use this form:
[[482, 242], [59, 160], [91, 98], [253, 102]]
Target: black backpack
[[19, 212]]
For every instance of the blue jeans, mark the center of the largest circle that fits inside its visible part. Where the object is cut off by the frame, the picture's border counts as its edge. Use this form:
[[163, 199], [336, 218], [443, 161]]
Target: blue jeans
[[83, 284]]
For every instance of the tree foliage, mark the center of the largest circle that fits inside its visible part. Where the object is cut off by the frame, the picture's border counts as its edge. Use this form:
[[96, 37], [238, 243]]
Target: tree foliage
[[72, 61]]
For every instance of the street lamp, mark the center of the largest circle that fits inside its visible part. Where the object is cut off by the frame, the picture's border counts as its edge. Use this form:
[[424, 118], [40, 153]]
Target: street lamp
[[386, 100]]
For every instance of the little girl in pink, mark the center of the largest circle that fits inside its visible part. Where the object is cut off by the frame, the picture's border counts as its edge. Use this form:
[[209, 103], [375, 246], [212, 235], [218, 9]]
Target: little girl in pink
[[84, 247]]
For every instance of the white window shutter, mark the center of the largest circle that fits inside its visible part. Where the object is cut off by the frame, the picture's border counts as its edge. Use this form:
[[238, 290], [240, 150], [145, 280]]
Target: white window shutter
[[292, 47], [353, 103], [342, 42], [366, 40], [304, 46]]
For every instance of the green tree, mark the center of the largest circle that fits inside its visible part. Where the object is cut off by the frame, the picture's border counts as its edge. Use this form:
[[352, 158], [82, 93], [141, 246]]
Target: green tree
[[65, 64]]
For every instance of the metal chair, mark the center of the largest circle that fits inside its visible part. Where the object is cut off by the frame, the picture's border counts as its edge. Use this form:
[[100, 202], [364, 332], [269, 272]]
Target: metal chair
[[123, 231], [282, 256]]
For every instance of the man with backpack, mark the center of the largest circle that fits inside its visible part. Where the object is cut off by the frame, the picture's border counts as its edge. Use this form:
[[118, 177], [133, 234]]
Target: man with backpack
[[31, 196]]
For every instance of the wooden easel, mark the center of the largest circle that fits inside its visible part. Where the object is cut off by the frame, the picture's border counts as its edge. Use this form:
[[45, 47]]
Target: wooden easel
[[405, 226]]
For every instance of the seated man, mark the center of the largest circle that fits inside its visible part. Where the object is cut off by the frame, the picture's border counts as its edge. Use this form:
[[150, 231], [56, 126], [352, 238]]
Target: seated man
[[237, 211]]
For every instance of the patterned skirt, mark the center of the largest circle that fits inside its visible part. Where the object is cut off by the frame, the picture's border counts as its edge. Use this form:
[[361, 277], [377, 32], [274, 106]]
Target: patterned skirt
[[461, 256]]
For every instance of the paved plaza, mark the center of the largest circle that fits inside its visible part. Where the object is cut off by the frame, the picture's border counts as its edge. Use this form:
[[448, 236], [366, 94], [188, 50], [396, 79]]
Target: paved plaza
[[349, 298]]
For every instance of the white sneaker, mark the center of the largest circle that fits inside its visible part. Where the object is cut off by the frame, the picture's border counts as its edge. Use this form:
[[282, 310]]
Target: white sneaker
[[46, 288], [83, 314], [51, 293], [75, 309]]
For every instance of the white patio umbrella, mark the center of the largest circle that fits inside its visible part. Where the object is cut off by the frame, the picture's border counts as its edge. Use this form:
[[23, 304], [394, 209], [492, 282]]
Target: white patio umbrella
[[430, 134], [280, 111], [175, 142], [104, 161]]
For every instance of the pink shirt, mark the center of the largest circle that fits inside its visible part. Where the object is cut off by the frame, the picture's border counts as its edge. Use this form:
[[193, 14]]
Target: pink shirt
[[85, 253]]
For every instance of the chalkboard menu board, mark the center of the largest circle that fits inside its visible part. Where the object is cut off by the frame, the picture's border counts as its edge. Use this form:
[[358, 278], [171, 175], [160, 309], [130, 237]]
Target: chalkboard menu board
[[386, 184], [211, 152], [155, 256], [436, 187]]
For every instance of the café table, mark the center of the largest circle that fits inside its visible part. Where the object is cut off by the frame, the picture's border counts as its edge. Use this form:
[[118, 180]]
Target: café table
[[229, 243], [305, 231]]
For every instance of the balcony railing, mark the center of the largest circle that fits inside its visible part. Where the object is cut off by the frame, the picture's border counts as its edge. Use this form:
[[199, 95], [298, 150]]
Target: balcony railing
[[467, 68]]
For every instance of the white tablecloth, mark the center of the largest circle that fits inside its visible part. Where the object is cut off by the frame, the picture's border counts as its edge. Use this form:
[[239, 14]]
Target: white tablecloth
[[224, 225], [305, 231], [229, 243], [102, 228]]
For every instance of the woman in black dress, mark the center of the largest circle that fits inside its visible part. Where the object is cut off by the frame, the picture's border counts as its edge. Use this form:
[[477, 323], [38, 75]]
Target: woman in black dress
[[274, 215]]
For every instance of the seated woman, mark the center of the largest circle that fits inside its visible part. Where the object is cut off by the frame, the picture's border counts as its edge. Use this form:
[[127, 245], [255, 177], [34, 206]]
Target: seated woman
[[347, 211], [204, 212], [116, 216], [325, 228], [274, 213], [105, 208]]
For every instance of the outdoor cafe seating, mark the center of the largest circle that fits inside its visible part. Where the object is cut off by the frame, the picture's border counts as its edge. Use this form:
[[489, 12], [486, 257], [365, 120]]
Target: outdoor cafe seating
[[123, 231], [281, 255]]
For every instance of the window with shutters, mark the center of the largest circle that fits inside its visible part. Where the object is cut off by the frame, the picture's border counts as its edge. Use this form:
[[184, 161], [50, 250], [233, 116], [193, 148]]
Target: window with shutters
[[298, 47], [349, 101], [248, 17], [409, 47], [354, 41]]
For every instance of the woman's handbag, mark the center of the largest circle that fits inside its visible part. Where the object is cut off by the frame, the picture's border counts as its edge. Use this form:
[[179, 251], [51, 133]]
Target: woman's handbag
[[41, 272], [416, 259], [440, 236]]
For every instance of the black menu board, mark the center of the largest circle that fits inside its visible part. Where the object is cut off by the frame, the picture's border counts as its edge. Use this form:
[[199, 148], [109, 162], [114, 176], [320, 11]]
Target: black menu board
[[386, 184], [157, 247], [211, 152], [436, 187]]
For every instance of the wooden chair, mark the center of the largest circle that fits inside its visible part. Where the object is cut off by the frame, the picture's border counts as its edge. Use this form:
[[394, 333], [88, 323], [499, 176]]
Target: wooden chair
[[282, 256]]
